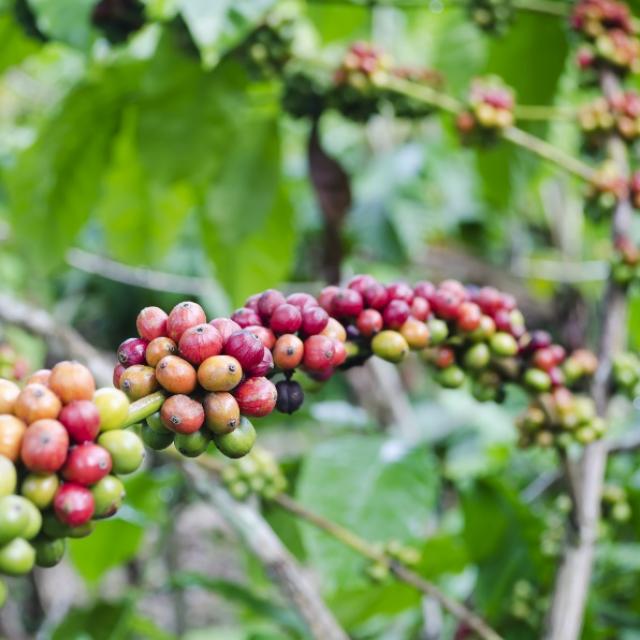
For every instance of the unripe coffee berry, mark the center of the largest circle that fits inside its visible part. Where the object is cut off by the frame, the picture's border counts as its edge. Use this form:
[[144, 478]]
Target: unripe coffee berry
[[390, 345], [192, 445], [288, 352], [9, 392], [416, 333], [334, 330], [438, 330], [238, 442], [157, 349], [108, 496], [126, 449], [450, 377], [176, 375], [503, 344], [138, 381], [113, 407], [219, 373], [221, 411]]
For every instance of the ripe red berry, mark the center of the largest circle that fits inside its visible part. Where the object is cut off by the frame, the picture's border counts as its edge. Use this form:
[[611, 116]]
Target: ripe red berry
[[302, 300], [469, 316], [225, 327], [151, 323], [502, 319], [73, 504], [488, 299], [118, 370], [369, 322], [539, 340], [181, 414], [559, 352], [269, 301], [252, 302], [446, 302], [44, 446], [266, 336], [444, 357], [264, 367], [400, 291], [424, 289], [245, 317], [182, 317], [557, 376], [376, 296], [314, 320], [544, 359], [288, 352], [132, 351], [81, 419], [361, 283], [347, 303], [339, 353], [420, 308], [176, 375], [286, 319], [246, 348], [158, 348], [199, 343], [455, 286], [256, 397], [325, 299], [318, 352], [396, 314], [87, 464]]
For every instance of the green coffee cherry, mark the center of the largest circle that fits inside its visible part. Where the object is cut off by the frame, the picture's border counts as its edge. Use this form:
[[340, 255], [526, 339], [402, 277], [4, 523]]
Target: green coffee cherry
[[438, 331], [239, 442], [477, 357], [193, 445], [537, 380], [503, 344], [49, 552], [390, 345], [450, 377]]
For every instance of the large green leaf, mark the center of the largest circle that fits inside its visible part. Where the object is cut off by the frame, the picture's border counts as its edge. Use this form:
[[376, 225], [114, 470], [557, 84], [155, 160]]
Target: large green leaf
[[101, 621], [371, 485], [218, 26], [66, 20], [15, 44]]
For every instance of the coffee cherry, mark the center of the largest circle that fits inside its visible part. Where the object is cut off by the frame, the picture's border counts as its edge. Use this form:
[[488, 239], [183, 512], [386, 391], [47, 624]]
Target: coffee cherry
[[245, 348], [40, 488], [156, 440], [503, 344], [269, 301], [346, 303], [138, 381], [415, 333], [265, 366], [318, 352], [41, 376], [396, 314], [256, 397], [376, 296], [477, 357], [390, 345], [288, 351], [537, 379], [86, 464], [484, 330], [81, 420], [9, 392], [37, 402], [252, 302], [325, 299], [118, 370], [49, 553], [246, 317], [360, 283], [424, 289], [44, 446], [225, 327], [400, 291], [12, 432], [157, 349], [181, 414], [238, 442], [34, 522], [334, 330], [182, 317], [420, 308], [302, 300], [8, 476], [446, 302], [369, 322], [266, 336], [73, 504], [469, 316], [220, 373], [221, 412], [151, 323], [72, 381], [290, 396], [286, 319], [176, 375], [108, 496], [126, 449], [544, 359], [14, 517], [450, 377], [339, 353], [54, 528], [192, 445], [17, 558], [132, 351], [199, 343], [113, 408], [539, 340], [438, 331]]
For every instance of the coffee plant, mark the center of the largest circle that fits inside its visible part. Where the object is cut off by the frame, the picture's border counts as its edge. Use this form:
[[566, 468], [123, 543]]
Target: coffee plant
[[153, 175]]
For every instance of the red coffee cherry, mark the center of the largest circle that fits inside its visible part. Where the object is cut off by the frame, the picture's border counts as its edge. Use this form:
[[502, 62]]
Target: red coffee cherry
[[314, 320], [245, 317], [132, 351], [252, 302], [361, 283], [182, 317], [118, 370], [318, 352], [269, 301], [302, 300], [469, 316], [151, 323], [87, 464], [420, 308], [424, 289], [325, 299], [181, 414], [400, 291], [369, 322], [446, 303], [266, 336], [41, 376], [73, 504], [256, 397], [265, 365], [346, 303], [396, 314], [288, 351], [376, 296], [176, 375], [225, 327], [44, 446], [157, 349], [245, 347], [199, 343], [81, 419], [339, 353], [286, 319]]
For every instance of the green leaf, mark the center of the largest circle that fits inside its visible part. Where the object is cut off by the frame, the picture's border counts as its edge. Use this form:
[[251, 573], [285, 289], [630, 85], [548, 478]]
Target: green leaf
[[66, 20], [101, 621], [218, 26], [372, 486], [16, 46], [113, 543]]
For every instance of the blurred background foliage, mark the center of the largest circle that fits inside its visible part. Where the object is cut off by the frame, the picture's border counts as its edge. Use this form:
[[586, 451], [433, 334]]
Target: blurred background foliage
[[147, 167]]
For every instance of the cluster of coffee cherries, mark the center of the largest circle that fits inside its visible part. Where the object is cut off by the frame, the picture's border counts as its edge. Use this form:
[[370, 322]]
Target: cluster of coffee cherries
[[626, 374], [490, 109], [602, 116], [492, 16], [607, 27], [62, 447], [615, 503], [605, 190], [258, 473], [528, 605]]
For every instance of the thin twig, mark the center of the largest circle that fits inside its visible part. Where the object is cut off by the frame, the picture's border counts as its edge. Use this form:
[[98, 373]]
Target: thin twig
[[543, 113]]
